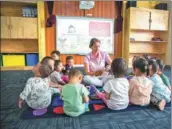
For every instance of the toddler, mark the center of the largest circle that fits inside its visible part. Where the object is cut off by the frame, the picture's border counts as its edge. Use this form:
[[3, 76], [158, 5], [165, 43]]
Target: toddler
[[37, 92], [57, 76], [160, 93], [116, 90], [75, 95], [162, 75], [69, 64], [140, 86]]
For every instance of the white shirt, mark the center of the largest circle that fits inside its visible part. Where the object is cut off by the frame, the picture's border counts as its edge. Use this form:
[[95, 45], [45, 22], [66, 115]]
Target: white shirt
[[118, 89], [37, 93]]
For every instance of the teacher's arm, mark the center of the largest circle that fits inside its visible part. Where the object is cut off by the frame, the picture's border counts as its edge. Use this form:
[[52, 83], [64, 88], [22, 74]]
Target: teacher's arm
[[87, 71], [108, 59]]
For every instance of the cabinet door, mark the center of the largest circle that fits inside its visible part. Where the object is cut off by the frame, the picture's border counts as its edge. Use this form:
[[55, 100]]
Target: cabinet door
[[5, 27], [139, 19], [30, 28], [159, 20], [16, 28]]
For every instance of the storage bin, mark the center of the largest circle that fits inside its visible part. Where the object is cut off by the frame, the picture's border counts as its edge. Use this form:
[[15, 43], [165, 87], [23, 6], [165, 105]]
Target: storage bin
[[13, 60], [31, 59]]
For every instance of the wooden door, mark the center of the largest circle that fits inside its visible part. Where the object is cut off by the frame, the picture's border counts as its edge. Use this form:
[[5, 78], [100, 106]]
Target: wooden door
[[16, 28], [5, 27], [139, 19], [30, 28], [159, 20]]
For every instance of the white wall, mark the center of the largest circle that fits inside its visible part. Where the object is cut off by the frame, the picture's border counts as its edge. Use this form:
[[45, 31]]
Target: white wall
[[169, 52]]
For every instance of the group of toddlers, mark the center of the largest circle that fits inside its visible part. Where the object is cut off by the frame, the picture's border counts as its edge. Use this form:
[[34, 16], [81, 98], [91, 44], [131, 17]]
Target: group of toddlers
[[147, 84]]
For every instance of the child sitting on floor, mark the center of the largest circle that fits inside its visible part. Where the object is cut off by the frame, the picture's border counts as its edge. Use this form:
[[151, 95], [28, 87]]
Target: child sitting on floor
[[57, 76], [160, 93], [140, 86], [69, 64], [160, 73], [37, 92], [75, 95], [116, 90], [55, 55]]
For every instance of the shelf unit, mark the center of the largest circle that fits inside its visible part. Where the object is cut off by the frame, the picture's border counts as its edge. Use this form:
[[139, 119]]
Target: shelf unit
[[141, 25], [20, 34]]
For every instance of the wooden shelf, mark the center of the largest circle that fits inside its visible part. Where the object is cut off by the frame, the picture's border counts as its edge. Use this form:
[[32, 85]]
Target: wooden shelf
[[146, 30], [19, 52], [136, 41], [5, 68], [157, 53]]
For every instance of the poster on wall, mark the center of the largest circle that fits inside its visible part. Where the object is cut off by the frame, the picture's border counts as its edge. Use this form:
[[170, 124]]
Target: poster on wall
[[73, 34]]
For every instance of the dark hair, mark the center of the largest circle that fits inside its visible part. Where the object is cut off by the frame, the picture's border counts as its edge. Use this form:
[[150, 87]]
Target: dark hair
[[93, 41], [74, 72], [154, 67], [55, 52], [45, 60], [151, 61], [45, 70], [141, 64], [69, 58], [57, 62], [135, 58], [119, 67], [160, 63]]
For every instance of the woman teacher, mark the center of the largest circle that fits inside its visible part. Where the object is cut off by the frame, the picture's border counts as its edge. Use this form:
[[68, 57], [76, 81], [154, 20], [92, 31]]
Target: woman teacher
[[95, 62]]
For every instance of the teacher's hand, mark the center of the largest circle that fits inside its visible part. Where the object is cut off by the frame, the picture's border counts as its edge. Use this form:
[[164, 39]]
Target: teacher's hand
[[99, 72]]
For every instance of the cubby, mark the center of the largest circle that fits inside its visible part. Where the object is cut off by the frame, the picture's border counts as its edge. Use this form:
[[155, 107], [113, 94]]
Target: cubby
[[19, 35], [142, 27]]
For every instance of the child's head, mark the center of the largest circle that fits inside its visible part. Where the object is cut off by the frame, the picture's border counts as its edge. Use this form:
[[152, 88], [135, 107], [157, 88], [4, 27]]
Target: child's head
[[119, 67], [150, 62], [58, 66], [153, 68], [45, 67], [75, 75], [55, 55], [140, 66], [161, 65], [70, 60]]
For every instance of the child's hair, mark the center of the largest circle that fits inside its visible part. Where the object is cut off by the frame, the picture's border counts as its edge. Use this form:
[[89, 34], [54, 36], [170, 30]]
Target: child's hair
[[160, 63], [45, 69], [93, 41], [55, 52], [151, 61], [119, 67], [57, 62], [154, 67], [45, 60], [135, 58], [69, 58], [74, 72], [141, 64]]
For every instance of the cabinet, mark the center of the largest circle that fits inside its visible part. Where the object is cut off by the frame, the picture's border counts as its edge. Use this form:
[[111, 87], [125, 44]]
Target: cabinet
[[149, 19], [18, 28], [5, 28], [141, 27]]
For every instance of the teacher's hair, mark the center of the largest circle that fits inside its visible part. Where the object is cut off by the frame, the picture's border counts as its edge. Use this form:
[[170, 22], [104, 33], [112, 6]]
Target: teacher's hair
[[93, 41]]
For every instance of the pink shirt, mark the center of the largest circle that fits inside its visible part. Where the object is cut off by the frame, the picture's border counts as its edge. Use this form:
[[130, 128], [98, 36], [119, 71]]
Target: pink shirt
[[140, 90], [96, 63]]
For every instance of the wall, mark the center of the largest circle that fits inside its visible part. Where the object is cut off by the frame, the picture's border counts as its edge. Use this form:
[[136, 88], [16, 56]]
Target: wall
[[71, 8]]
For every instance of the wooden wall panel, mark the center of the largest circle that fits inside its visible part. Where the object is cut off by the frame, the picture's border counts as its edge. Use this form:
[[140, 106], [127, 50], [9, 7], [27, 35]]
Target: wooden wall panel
[[102, 9]]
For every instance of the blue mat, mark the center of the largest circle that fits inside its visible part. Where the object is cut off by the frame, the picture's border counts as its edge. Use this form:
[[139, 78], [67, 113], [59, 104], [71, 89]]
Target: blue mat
[[28, 113]]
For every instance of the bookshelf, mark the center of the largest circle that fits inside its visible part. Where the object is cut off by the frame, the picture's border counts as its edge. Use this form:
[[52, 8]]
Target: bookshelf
[[142, 27]]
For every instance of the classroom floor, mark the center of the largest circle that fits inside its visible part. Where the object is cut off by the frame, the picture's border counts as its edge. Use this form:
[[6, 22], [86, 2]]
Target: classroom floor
[[12, 83]]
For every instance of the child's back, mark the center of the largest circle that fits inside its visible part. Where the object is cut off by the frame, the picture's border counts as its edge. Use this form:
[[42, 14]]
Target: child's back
[[37, 93], [118, 89], [140, 90], [160, 88], [72, 95]]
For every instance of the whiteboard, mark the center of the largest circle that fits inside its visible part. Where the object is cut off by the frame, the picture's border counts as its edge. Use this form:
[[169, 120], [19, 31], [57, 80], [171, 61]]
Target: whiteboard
[[73, 34]]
